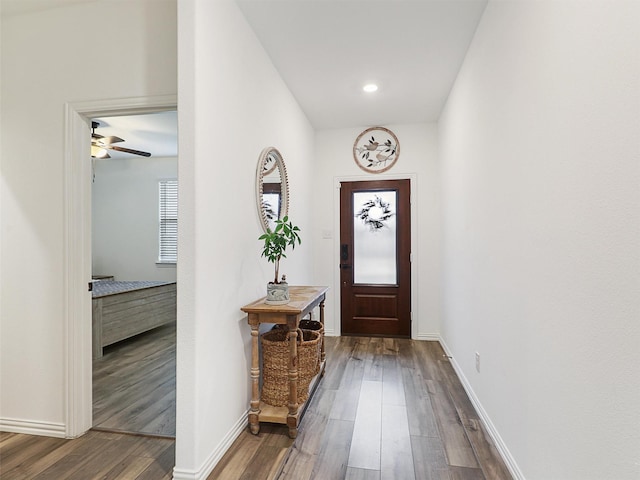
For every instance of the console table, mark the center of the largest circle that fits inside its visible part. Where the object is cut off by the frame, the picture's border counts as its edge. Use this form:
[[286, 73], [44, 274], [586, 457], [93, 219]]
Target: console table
[[303, 301]]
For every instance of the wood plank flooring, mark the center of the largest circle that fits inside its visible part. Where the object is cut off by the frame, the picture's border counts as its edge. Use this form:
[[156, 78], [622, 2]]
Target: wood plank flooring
[[134, 384], [385, 409], [95, 455]]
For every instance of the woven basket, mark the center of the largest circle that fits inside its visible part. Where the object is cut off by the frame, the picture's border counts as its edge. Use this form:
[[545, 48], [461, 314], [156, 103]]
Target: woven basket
[[315, 326], [275, 365]]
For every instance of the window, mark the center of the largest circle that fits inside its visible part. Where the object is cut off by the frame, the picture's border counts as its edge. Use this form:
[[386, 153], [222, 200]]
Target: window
[[168, 201]]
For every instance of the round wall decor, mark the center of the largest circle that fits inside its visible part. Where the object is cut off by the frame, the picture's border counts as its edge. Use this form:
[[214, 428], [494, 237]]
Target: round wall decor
[[376, 150]]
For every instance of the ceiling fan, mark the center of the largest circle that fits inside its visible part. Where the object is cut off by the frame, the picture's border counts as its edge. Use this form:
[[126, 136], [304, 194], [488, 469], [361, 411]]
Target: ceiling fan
[[100, 144]]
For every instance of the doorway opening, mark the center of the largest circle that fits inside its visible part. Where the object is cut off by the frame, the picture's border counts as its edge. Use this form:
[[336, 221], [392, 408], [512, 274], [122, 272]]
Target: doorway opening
[[134, 219], [375, 258], [78, 269]]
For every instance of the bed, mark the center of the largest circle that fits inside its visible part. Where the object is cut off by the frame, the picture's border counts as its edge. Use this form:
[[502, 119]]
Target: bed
[[122, 310]]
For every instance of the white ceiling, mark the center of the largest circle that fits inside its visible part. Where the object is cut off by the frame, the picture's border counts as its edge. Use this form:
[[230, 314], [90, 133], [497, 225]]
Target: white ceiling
[[326, 50]]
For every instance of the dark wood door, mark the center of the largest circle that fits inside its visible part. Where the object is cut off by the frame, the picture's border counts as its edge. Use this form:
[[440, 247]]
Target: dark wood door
[[375, 258]]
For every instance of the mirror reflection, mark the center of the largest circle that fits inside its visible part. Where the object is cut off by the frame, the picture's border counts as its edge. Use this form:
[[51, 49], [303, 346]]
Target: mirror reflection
[[272, 188]]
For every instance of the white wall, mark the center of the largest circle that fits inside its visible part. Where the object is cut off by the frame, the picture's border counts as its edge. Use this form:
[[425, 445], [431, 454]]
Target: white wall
[[418, 158], [541, 167], [232, 104], [125, 217], [49, 58]]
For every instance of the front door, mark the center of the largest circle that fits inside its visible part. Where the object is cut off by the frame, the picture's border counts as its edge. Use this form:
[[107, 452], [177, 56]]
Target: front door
[[375, 258]]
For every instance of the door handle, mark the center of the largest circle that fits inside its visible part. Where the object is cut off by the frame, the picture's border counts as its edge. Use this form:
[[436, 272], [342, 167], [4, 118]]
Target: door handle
[[344, 251], [345, 265]]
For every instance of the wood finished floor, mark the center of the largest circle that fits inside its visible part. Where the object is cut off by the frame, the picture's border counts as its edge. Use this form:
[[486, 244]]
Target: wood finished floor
[[95, 455], [134, 384], [385, 409]]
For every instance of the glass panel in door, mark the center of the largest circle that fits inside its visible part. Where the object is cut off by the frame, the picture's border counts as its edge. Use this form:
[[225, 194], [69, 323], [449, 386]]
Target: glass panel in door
[[375, 238]]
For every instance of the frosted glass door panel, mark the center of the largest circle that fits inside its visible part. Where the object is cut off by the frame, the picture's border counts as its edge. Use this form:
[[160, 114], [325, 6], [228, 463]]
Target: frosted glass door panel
[[374, 238]]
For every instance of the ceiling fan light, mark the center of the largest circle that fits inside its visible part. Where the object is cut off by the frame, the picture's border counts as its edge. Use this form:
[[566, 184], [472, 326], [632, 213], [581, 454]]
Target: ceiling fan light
[[97, 152]]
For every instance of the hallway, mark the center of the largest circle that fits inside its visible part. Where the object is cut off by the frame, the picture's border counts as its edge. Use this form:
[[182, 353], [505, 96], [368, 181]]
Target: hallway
[[386, 409]]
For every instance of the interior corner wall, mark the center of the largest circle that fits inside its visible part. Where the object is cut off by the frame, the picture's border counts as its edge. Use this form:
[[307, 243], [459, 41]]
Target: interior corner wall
[[49, 58], [540, 159], [418, 158], [125, 217], [233, 104]]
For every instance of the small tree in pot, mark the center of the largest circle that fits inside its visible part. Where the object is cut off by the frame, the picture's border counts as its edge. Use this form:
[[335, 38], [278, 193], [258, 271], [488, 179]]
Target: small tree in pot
[[275, 244]]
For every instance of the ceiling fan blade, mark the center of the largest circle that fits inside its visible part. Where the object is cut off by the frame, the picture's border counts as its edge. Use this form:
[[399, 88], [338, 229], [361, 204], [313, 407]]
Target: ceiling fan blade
[[111, 139], [128, 150]]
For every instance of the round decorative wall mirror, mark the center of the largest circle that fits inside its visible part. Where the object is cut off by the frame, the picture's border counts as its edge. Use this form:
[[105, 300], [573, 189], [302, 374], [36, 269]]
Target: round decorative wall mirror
[[272, 188]]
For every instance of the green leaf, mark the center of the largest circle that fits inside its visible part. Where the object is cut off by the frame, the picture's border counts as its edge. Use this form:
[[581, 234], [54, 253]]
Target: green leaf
[[276, 242]]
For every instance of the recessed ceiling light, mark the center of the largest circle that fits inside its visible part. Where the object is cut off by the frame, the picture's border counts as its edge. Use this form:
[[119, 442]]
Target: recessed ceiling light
[[370, 87]]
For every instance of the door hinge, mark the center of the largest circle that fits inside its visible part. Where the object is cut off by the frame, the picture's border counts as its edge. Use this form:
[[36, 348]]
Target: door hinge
[[91, 286], [411, 257]]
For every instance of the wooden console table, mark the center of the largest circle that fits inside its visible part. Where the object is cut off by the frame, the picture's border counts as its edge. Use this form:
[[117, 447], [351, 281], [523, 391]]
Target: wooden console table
[[303, 301]]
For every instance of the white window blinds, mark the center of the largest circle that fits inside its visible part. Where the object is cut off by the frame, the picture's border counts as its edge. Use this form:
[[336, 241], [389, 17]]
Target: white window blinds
[[168, 195]]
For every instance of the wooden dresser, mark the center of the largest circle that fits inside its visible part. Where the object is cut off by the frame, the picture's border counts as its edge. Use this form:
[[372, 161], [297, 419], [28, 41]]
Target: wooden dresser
[[303, 301]]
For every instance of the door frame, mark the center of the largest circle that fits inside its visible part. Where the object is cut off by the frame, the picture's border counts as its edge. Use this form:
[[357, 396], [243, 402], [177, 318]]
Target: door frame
[[413, 180], [77, 352]]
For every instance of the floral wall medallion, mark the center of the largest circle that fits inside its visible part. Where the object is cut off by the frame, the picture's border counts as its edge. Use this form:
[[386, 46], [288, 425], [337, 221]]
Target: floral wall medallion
[[376, 150]]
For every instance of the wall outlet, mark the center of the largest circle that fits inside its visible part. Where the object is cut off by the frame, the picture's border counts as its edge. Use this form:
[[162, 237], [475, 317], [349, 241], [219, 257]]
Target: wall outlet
[[477, 362]]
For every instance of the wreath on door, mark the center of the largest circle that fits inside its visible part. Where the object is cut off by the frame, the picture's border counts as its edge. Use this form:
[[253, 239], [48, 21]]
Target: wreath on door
[[375, 213]]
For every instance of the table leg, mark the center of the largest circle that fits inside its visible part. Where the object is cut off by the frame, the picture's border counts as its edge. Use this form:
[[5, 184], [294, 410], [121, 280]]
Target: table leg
[[322, 323], [292, 418], [254, 412]]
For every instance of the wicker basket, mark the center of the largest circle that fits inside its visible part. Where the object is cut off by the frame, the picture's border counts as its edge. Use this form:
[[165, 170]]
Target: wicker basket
[[275, 365], [316, 326]]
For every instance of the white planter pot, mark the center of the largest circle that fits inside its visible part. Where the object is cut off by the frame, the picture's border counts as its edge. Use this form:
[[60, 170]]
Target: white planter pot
[[277, 293]]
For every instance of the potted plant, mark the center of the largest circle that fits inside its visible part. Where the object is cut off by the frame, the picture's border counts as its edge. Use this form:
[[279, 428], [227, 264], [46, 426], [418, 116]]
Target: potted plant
[[276, 242]]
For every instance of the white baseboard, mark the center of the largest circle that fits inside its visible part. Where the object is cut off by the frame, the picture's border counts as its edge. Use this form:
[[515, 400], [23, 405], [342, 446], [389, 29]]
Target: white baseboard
[[29, 427], [209, 464], [429, 337], [484, 417]]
